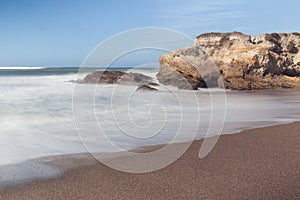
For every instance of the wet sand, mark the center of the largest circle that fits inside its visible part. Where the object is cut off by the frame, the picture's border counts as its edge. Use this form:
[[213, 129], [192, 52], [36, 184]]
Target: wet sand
[[261, 163]]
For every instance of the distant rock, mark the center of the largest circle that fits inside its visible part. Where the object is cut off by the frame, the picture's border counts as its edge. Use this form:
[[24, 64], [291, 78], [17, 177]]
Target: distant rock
[[116, 77], [244, 62], [109, 77], [146, 88]]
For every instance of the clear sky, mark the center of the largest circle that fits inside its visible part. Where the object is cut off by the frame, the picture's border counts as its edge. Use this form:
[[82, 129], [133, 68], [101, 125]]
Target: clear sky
[[63, 32]]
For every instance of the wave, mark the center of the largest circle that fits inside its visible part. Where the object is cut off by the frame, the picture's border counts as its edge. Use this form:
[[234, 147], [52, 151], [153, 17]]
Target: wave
[[36, 71], [21, 68]]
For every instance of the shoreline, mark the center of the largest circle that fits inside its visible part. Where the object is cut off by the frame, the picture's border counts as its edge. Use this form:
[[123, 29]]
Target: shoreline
[[55, 166], [235, 156]]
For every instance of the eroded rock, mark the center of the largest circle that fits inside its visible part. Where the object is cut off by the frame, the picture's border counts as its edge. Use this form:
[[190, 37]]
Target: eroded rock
[[116, 77], [243, 61]]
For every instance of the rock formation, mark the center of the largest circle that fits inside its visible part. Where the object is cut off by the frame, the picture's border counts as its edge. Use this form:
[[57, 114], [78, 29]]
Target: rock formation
[[116, 77], [243, 62]]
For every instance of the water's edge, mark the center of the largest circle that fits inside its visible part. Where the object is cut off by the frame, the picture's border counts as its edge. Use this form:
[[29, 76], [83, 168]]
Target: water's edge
[[55, 166]]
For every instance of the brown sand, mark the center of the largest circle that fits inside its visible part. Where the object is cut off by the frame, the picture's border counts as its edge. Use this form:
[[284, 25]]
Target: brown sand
[[256, 164]]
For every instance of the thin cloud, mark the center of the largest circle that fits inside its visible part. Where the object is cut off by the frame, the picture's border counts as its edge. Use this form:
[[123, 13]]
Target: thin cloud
[[193, 14]]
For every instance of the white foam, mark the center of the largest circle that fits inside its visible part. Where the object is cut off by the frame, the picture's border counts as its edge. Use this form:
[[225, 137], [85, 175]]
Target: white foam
[[36, 115]]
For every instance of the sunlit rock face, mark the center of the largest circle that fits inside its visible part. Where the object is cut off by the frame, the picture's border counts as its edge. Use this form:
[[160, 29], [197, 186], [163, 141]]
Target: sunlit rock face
[[243, 62]]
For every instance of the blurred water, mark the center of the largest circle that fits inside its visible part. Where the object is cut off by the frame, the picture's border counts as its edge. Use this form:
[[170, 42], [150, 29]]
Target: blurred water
[[36, 117]]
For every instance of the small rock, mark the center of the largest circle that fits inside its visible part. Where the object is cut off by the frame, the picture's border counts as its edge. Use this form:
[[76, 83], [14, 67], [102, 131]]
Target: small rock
[[146, 88]]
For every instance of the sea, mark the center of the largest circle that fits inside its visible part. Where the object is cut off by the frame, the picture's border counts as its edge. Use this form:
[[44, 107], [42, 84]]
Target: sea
[[39, 116]]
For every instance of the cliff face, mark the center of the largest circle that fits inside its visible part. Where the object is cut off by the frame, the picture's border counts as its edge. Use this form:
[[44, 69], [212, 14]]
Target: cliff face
[[245, 62]]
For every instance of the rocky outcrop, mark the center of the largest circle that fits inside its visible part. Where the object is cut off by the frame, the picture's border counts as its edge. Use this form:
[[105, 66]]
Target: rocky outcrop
[[116, 77], [243, 62]]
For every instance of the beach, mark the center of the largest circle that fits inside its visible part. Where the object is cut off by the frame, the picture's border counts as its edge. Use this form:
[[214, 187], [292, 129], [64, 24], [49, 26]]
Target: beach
[[150, 100], [262, 163]]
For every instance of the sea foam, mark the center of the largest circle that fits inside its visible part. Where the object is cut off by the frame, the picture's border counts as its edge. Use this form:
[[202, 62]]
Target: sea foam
[[37, 118]]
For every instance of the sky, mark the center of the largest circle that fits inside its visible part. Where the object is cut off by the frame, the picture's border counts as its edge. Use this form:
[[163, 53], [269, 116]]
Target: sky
[[63, 32]]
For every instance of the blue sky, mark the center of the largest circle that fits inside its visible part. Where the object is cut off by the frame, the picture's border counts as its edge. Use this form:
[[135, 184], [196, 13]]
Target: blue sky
[[63, 32]]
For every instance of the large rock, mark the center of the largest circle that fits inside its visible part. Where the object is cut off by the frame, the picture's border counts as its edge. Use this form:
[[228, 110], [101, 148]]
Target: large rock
[[243, 61], [188, 68], [116, 77]]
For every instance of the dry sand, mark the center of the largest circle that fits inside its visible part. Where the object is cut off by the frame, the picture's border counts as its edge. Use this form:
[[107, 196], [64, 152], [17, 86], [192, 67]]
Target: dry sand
[[256, 164]]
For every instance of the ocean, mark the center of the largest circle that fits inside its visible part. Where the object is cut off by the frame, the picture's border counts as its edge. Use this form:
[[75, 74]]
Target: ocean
[[37, 117]]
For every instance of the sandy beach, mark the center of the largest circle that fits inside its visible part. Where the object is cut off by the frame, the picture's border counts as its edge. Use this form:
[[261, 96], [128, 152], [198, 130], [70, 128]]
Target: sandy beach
[[261, 163]]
